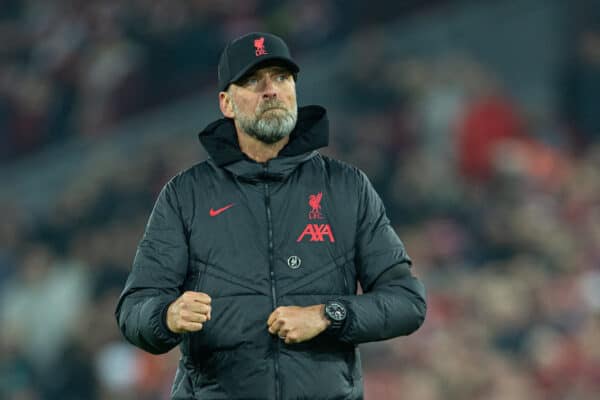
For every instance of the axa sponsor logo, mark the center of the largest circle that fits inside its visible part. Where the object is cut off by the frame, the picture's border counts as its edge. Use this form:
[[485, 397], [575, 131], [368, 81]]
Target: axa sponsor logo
[[316, 232]]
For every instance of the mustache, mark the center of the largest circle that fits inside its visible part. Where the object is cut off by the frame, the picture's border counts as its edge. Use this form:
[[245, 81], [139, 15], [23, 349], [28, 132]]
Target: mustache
[[271, 104]]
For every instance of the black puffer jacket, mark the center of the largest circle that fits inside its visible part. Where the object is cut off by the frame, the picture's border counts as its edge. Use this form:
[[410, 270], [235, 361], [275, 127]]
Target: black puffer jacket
[[299, 230]]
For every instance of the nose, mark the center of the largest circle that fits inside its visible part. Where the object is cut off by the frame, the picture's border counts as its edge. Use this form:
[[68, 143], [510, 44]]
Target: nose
[[269, 95], [269, 91]]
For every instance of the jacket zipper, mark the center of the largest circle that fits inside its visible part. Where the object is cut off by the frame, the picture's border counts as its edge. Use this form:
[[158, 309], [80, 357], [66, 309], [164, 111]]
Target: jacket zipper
[[197, 288], [201, 275], [272, 278]]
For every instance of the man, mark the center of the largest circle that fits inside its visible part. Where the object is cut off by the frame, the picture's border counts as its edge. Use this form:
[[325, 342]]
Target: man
[[250, 260]]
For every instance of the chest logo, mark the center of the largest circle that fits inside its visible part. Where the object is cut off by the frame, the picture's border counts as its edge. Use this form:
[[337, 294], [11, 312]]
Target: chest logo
[[317, 233], [214, 213], [294, 262], [314, 201]]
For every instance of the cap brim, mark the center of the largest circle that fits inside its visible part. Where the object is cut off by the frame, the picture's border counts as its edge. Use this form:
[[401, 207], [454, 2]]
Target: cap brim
[[263, 62]]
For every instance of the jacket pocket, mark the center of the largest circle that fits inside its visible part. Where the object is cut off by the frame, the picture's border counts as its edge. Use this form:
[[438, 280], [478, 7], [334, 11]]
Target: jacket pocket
[[343, 278], [347, 273], [351, 362], [198, 278], [317, 373], [200, 268]]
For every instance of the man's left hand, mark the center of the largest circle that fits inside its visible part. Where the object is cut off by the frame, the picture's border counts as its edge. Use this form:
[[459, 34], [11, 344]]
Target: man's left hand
[[297, 324]]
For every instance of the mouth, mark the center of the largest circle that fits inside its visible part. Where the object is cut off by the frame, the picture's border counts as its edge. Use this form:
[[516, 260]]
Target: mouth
[[274, 109]]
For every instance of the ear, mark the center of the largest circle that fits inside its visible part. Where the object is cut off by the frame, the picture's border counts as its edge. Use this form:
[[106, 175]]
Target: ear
[[226, 105]]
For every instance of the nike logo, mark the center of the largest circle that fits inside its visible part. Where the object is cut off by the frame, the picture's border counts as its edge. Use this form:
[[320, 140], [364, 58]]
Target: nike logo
[[214, 213]]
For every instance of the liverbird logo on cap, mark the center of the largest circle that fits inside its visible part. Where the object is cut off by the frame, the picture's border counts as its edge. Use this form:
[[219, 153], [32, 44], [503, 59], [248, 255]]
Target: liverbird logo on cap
[[260, 46]]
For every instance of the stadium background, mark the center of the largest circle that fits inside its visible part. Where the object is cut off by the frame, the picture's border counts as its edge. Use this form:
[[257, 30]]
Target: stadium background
[[478, 122]]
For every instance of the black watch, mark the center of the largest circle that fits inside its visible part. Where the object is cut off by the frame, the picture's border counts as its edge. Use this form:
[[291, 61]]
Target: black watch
[[336, 313]]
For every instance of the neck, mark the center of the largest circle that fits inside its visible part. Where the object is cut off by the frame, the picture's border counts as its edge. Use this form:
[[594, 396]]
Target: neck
[[259, 151]]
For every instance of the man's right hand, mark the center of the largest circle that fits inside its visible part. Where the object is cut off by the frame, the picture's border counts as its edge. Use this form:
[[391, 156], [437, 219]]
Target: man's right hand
[[189, 312]]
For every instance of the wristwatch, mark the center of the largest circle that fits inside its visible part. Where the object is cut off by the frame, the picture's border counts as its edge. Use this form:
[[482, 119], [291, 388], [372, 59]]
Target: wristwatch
[[336, 313]]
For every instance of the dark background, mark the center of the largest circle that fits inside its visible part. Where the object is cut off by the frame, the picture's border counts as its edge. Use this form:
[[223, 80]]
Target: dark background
[[477, 121]]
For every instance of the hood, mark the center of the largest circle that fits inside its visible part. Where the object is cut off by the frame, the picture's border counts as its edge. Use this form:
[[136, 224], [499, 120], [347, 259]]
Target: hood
[[311, 133]]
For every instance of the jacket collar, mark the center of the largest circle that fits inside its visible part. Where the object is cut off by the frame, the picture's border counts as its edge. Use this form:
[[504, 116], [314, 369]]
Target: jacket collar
[[311, 133]]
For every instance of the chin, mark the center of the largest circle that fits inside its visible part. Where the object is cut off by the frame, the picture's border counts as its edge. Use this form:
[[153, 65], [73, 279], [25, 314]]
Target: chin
[[269, 139], [272, 119]]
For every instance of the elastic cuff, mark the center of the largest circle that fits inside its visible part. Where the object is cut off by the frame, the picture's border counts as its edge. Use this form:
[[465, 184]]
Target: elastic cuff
[[166, 333]]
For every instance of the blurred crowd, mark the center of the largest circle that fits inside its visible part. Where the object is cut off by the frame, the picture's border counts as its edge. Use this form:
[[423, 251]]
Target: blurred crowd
[[76, 68], [498, 205]]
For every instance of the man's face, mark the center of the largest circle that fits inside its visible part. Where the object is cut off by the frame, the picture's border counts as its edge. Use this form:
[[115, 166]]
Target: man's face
[[264, 104]]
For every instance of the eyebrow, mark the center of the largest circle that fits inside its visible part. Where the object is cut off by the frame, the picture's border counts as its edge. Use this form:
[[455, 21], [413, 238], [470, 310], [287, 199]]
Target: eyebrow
[[273, 70], [278, 69]]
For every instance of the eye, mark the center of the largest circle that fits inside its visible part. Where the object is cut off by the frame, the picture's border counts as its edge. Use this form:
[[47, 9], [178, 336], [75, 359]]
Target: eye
[[249, 81], [282, 77]]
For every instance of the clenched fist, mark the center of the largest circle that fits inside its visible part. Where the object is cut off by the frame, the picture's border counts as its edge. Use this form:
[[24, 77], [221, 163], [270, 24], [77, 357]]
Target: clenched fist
[[297, 324], [189, 312]]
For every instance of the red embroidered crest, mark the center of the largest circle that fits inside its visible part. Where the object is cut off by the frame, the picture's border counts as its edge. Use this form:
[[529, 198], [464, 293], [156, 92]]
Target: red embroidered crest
[[314, 200], [260, 46], [316, 232]]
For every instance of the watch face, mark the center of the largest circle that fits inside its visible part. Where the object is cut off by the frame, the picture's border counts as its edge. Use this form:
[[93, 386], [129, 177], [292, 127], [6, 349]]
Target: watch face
[[336, 311]]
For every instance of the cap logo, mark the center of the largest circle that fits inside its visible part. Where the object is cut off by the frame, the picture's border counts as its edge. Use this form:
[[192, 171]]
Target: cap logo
[[259, 44]]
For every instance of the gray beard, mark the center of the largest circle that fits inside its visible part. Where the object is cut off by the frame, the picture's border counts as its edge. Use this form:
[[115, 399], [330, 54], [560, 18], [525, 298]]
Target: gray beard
[[269, 128]]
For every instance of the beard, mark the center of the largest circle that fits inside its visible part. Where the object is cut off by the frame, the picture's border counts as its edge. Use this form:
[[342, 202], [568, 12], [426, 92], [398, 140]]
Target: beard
[[271, 122]]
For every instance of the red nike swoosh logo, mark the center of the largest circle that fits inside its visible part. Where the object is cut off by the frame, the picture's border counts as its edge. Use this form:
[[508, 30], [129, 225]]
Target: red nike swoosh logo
[[214, 213]]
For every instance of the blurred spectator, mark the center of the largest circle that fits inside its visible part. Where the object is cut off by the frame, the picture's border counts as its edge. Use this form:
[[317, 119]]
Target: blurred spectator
[[581, 89], [489, 119], [42, 303]]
